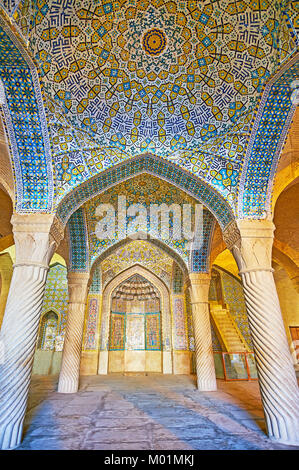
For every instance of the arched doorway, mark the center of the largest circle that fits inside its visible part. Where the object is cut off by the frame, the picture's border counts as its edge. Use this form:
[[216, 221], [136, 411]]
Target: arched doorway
[[135, 327], [136, 324], [48, 353], [48, 331]]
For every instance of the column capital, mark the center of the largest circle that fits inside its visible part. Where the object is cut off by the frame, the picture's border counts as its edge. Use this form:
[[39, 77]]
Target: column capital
[[42, 223], [199, 278], [77, 277], [250, 241], [78, 285], [199, 287], [36, 237]]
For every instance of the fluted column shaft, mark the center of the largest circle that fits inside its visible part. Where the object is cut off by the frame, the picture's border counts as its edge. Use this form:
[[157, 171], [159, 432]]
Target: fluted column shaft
[[71, 356], [252, 248], [35, 245], [205, 367]]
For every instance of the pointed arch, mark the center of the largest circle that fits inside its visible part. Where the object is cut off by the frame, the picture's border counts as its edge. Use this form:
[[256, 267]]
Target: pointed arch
[[165, 314], [152, 165], [49, 325], [269, 130], [78, 237], [153, 241]]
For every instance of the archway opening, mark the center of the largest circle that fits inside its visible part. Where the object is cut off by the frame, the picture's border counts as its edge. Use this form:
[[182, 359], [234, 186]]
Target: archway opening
[[136, 326], [48, 331], [135, 337]]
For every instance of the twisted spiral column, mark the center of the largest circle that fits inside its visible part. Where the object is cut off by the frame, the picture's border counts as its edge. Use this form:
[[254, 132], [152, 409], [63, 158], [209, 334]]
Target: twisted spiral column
[[34, 248], [19, 334], [277, 380], [251, 243], [71, 356], [205, 367]]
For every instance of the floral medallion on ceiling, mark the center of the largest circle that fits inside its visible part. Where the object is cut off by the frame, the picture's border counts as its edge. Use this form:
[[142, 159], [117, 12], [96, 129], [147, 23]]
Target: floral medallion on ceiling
[[182, 80]]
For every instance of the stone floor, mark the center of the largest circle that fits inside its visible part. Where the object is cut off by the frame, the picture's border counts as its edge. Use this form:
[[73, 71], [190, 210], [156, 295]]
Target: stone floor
[[145, 412]]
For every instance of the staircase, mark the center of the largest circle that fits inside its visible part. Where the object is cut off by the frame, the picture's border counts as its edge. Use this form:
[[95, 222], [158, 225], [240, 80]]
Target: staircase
[[229, 335]]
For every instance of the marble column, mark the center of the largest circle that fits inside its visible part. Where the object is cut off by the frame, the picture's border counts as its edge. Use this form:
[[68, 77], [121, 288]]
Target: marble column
[[251, 244], [205, 368], [36, 237], [70, 366]]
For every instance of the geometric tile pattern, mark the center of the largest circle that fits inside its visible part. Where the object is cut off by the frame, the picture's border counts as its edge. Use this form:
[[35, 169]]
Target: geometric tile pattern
[[178, 280], [267, 138], [158, 243], [193, 103], [146, 190], [78, 242], [180, 80], [200, 258], [141, 252], [96, 269], [95, 287], [26, 126]]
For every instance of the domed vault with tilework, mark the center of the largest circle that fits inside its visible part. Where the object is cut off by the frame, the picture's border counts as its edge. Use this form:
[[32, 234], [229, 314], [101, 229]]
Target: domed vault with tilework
[[204, 85]]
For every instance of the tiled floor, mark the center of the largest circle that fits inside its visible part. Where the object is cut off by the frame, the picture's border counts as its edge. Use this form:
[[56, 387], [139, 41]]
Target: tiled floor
[[144, 412]]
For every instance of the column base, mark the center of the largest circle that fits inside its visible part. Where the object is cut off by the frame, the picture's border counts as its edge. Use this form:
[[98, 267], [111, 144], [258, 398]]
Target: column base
[[207, 387], [11, 435], [293, 443], [167, 362], [67, 386], [103, 363]]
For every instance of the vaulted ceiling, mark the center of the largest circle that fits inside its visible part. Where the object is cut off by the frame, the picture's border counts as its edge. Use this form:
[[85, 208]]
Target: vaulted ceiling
[[206, 85]]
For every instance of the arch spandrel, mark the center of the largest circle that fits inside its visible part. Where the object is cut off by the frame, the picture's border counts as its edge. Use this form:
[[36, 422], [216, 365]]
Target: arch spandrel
[[145, 190], [151, 241]]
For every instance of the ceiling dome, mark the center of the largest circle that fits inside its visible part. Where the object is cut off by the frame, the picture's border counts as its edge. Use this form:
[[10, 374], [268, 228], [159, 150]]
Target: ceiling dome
[[157, 76], [205, 85]]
